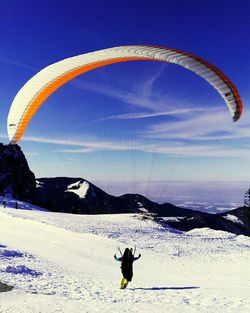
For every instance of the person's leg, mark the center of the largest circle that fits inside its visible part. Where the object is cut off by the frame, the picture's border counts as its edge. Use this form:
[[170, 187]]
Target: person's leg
[[123, 282]]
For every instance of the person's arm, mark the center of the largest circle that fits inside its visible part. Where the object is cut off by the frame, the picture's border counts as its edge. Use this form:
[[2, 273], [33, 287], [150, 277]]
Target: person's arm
[[138, 257], [117, 258]]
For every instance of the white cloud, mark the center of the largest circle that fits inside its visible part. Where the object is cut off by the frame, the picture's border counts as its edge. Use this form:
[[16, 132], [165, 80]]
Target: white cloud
[[140, 115], [142, 94], [80, 151], [31, 154], [170, 148], [213, 125], [8, 61], [211, 134], [93, 145]]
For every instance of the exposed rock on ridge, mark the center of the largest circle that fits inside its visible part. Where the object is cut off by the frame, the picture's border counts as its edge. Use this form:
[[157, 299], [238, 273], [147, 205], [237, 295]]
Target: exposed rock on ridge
[[16, 178]]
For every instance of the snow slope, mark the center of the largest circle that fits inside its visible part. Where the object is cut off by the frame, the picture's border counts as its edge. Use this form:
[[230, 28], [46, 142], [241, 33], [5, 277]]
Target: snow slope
[[64, 263], [79, 188]]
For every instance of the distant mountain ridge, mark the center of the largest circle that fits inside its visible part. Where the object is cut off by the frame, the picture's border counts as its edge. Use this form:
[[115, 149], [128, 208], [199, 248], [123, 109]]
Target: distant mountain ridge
[[79, 196]]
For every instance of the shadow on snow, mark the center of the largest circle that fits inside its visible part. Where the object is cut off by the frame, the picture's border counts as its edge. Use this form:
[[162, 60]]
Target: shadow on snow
[[167, 288]]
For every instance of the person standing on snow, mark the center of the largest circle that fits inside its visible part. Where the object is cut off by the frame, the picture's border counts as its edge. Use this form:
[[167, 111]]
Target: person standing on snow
[[126, 260]]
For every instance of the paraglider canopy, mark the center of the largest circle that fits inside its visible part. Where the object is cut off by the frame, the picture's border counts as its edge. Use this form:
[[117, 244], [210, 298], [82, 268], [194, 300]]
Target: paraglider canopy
[[34, 93]]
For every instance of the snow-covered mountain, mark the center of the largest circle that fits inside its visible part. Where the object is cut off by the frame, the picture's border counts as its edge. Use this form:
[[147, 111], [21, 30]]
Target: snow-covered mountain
[[64, 263], [76, 195]]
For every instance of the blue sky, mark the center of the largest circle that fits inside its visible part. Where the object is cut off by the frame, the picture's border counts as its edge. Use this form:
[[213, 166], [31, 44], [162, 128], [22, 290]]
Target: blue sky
[[136, 122]]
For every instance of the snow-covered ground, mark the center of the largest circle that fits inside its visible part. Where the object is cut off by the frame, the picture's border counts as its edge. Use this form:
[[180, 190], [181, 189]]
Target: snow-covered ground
[[64, 263]]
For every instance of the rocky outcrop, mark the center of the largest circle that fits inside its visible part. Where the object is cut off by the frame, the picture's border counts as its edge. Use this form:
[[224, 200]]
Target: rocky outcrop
[[16, 179], [239, 216]]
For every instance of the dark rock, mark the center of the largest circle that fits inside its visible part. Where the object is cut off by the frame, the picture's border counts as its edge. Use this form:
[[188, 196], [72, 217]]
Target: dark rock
[[243, 214], [5, 287], [15, 175]]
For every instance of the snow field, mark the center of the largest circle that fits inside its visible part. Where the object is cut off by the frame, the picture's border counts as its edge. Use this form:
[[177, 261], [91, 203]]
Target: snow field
[[199, 271]]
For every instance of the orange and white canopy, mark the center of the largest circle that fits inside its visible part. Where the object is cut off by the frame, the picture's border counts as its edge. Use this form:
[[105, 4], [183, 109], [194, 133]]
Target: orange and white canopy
[[32, 95]]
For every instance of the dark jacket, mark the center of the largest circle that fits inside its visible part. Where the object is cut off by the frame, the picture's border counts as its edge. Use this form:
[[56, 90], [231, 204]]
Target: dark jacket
[[127, 263]]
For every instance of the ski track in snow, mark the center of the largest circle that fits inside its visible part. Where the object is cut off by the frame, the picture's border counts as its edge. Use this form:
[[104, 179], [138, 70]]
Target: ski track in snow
[[64, 263]]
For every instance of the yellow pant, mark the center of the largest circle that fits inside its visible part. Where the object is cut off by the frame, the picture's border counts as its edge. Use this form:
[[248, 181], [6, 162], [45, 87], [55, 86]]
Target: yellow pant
[[123, 283]]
